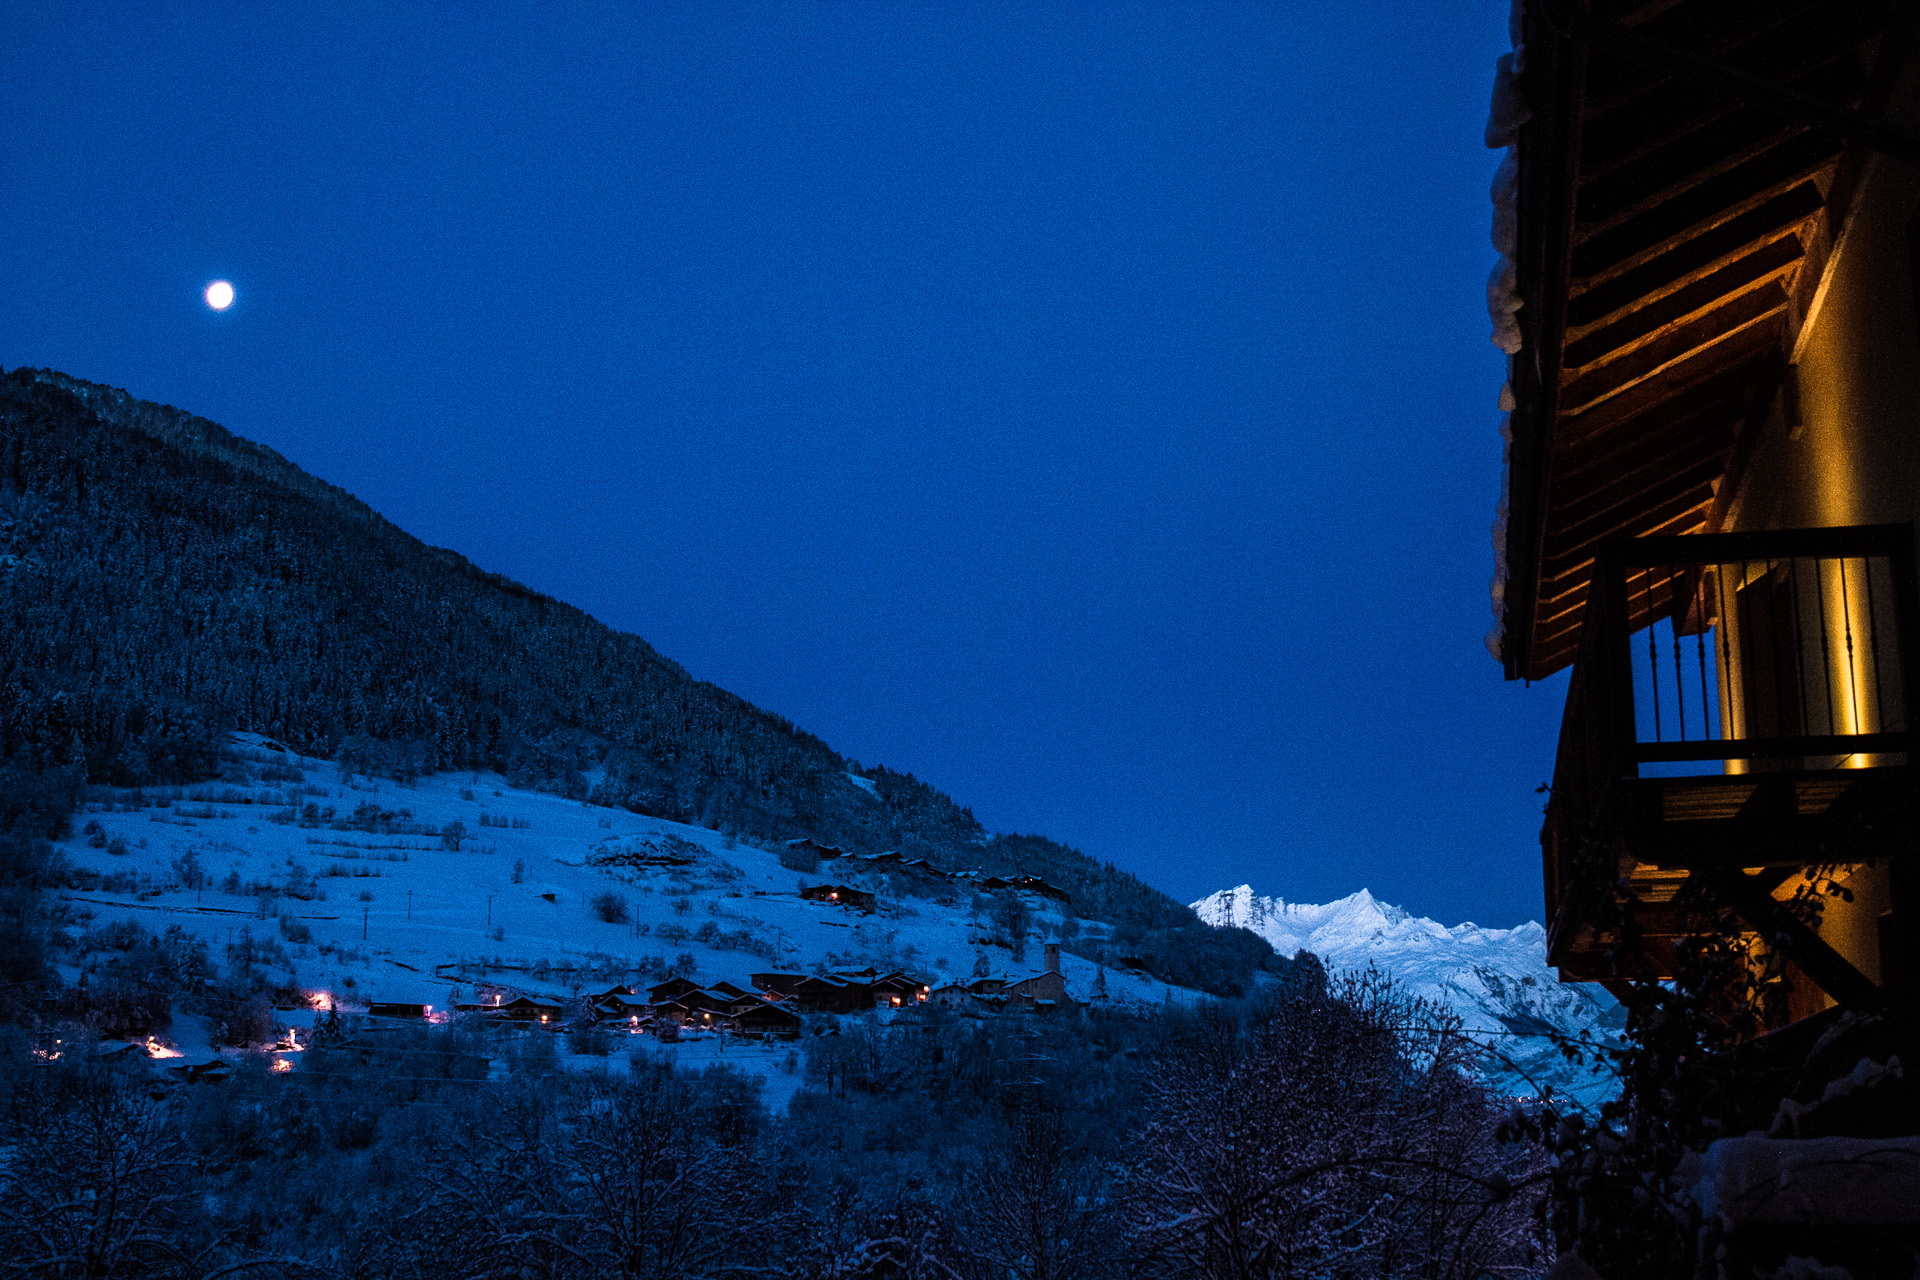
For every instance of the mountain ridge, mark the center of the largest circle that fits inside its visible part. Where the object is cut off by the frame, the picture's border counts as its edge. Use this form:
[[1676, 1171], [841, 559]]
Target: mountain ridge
[[164, 581], [1495, 980]]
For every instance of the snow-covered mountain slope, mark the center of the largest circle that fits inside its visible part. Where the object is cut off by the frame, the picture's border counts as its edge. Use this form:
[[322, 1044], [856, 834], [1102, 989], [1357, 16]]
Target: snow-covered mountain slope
[[1496, 980], [360, 889]]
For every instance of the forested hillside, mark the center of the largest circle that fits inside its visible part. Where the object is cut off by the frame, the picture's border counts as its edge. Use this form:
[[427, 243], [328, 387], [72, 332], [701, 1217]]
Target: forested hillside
[[162, 581]]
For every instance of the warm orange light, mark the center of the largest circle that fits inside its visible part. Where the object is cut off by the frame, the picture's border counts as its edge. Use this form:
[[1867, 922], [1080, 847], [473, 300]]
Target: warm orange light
[[281, 1064]]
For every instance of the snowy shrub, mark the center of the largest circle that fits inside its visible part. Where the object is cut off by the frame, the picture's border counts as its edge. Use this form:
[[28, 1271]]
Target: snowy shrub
[[96, 834], [117, 846], [293, 930], [671, 932], [610, 907]]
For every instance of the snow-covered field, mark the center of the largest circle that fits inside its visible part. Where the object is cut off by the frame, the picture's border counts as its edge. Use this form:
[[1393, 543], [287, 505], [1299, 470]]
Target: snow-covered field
[[397, 915], [1496, 980]]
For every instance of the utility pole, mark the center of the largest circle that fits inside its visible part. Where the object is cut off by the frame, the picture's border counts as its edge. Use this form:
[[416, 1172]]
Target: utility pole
[[409, 904], [363, 922], [489, 911]]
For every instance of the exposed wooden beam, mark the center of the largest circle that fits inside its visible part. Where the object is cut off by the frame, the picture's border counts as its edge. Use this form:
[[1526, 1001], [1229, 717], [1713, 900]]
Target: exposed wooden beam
[[1693, 256], [1694, 208], [1598, 466], [1695, 388], [1677, 502], [1752, 320], [1661, 176], [1632, 329]]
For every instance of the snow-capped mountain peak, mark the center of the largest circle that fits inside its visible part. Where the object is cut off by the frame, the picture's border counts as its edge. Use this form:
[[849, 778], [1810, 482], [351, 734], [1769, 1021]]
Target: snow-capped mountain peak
[[1496, 980]]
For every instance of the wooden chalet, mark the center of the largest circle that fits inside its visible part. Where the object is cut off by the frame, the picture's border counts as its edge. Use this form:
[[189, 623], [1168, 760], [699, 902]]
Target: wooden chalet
[[631, 1009], [840, 895], [672, 987], [1707, 291], [833, 993], [529, 1010], [396, 1009], [780, 985], [757, 1016], [898, 989]]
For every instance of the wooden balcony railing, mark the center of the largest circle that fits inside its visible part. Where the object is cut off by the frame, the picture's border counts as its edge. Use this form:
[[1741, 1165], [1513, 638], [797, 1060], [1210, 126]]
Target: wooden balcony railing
[[1738, 700]]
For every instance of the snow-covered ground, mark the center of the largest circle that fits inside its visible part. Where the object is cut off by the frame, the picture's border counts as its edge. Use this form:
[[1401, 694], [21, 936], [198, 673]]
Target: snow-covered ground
[[1496, 980], [399, 917]]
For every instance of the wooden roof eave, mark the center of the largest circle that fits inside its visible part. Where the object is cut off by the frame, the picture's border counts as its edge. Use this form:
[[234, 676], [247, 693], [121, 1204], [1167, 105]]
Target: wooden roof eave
[[1707, 274], [1549, 161]]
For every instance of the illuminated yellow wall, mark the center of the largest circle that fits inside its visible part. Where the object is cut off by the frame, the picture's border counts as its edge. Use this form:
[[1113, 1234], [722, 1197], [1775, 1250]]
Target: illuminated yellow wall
[[1852, 459]]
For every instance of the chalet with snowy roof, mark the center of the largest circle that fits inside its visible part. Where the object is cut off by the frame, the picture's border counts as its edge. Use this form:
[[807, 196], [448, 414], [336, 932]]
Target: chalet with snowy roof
[[761, 1017], [824, 852], [631, 1009], [840, 895], [897, 989], [777, 984], [696, 1002], [833, 994], [672, 987], [1710, 256], [544, 1011]]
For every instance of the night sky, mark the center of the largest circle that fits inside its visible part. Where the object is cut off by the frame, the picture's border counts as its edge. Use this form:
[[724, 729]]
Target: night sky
[[1086, 407]]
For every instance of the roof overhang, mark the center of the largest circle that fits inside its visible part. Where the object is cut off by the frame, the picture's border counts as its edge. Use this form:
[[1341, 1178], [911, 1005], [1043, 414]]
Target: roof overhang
[[1673, 233]]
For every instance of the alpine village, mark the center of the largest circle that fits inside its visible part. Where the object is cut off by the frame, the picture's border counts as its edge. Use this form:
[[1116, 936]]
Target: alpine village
[[366, 913]]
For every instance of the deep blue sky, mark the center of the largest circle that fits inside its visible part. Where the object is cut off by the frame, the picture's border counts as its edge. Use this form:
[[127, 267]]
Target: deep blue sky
[[1087, 407]]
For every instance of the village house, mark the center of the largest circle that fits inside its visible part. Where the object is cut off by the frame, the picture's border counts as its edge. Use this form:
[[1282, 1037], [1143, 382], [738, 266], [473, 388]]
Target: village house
[[840, 895], [543, 1011], [780, 985], [672, 987], [1707, 293], [397, 1009], [1046, 989], [754, 1015]]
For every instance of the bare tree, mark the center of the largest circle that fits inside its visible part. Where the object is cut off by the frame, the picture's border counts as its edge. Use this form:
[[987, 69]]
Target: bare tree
[[1337, 1134], [1036, 1207]]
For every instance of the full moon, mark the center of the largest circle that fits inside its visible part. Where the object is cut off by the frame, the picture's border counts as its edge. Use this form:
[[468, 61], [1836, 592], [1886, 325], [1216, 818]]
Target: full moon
[[219, 295]]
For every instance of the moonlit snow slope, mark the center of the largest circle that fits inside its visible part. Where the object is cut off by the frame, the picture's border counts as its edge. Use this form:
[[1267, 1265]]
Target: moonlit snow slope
[[401, 916], [1496, 980]]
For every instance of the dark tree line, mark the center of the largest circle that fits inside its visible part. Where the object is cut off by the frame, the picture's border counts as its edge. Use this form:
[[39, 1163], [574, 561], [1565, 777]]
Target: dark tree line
[[163, 581], [1314, 1131]]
